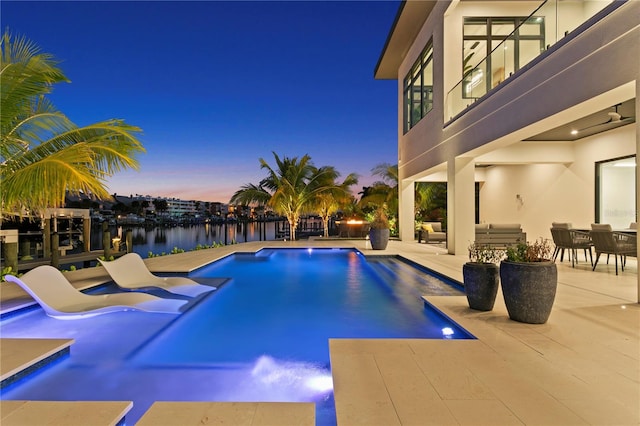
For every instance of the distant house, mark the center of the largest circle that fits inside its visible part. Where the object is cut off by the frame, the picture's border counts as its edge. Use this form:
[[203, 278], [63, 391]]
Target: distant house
[[532, 105]]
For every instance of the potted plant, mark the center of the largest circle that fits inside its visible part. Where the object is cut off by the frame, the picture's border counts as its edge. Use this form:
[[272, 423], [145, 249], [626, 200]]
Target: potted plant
[[379, 230], [529, 279], [481, 276]]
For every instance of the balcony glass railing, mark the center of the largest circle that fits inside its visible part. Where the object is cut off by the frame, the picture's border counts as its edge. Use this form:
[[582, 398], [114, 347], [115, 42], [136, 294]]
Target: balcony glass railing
[[559, 17]]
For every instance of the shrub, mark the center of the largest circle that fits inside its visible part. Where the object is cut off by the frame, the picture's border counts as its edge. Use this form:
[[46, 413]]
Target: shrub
[[540, 250]]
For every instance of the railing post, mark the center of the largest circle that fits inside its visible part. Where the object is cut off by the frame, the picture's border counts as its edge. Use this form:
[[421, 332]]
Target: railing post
[[86, 234], [245, 230], [55, 252], [106, 240], [128, 236], [46, 237]]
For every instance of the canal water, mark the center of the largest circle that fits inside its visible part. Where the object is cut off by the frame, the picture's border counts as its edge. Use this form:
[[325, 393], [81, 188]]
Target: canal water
[[160, 240]]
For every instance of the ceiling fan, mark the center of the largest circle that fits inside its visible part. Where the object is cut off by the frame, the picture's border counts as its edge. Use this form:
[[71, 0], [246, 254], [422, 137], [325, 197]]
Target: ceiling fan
[[615, 120]]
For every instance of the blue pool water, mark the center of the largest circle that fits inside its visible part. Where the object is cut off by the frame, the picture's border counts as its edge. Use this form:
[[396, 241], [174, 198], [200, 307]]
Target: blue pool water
[[261, 337]]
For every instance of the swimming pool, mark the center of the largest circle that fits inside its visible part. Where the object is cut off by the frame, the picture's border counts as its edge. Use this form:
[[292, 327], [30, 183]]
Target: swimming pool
[[261, 337]]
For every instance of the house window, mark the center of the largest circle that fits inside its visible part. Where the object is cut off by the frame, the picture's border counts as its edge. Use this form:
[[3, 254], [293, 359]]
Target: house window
[[485, 61], [418, 88], [616, 192]]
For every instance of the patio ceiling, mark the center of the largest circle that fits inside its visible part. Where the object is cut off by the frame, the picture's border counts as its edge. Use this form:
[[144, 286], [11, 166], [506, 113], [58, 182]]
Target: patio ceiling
[[601, 121]]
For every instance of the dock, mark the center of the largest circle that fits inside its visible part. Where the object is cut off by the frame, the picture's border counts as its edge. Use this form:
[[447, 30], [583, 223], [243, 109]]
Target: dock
[[85, 257]]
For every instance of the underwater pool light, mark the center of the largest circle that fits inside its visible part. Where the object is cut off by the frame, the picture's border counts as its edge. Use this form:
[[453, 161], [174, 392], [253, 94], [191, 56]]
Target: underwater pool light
[[320, 383], [447, 332]]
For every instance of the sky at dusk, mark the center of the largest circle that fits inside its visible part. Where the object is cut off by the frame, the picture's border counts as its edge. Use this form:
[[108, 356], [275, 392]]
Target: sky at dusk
[[216, 85]]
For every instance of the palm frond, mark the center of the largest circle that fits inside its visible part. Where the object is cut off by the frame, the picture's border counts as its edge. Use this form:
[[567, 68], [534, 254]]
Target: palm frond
[[25, 73], [43, 154], [250, 194]]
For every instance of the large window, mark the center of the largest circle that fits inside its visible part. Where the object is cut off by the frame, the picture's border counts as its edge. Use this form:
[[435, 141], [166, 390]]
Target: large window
[[523, 40], [616, 192], [418, 89]]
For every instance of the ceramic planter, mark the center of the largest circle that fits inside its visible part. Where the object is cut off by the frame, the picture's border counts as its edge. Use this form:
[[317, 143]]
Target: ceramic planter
[[529, 289], [481, 282], [379, 238]]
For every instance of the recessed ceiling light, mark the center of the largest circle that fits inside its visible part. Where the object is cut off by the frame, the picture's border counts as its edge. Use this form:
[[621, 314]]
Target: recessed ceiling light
[[574, 132]]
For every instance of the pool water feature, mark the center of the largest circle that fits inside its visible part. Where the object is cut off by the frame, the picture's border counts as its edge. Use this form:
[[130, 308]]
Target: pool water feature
[[263, 336]]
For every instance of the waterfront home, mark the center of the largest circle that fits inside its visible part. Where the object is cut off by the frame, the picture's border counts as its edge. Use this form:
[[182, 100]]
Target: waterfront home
[[532, 76], [525, 108]]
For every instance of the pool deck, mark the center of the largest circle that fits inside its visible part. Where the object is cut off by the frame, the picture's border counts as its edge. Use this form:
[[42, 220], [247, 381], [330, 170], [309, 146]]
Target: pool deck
[[582, 367]]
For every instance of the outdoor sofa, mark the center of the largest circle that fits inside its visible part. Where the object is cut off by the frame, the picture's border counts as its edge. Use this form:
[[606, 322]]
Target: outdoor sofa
[[499, 235], [431, 232]]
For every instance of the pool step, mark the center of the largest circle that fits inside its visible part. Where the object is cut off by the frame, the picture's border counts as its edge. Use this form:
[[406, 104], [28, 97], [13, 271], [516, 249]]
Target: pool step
[[393, 271], [231, 413], [53, 413], [21, 357]]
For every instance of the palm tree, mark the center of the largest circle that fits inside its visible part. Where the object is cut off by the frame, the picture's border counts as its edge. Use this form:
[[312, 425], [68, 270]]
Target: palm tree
[[383, 192], [431, 201], [290, 189], [335, 197], [42, 153]]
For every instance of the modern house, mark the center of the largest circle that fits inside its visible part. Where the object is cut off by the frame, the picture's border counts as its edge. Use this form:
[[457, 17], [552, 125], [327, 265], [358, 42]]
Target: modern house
[[527, 109]]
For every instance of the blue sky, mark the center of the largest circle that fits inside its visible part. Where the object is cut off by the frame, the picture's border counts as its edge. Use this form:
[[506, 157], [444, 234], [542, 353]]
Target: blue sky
[[216, 85]]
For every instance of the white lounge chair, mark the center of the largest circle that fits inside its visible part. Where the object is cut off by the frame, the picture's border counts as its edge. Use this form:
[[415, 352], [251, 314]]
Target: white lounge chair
[[131, 273], [59, 299]]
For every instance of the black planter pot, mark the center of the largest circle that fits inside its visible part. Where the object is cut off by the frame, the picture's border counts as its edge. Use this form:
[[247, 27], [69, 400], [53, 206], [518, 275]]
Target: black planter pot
[[529, 289], [481, 282], [379, 238]]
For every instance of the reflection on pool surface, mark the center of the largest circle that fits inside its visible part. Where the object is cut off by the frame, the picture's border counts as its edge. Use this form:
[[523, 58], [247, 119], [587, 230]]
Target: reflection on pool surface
[[261, 337]]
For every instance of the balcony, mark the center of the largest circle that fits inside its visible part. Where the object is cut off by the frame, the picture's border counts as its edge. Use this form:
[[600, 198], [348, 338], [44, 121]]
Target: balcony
[[558, 20]]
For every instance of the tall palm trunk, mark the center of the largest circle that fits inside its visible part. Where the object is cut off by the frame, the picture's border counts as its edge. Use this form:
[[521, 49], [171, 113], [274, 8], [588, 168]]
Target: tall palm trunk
[[293, 220], [325, 225]]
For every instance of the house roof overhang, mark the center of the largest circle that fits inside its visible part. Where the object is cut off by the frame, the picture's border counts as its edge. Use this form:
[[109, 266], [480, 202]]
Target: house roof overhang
[[408, 22]]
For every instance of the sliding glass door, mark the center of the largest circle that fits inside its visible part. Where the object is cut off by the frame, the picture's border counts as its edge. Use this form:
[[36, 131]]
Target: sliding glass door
[[616, 192]]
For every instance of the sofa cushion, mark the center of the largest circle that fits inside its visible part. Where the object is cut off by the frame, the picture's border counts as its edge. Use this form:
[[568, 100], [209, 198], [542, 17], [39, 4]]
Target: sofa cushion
[[505, 226], [427, 227], [435, 226]]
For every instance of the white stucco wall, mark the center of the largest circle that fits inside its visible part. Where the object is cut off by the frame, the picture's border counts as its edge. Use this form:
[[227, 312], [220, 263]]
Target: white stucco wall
[[552, 192]]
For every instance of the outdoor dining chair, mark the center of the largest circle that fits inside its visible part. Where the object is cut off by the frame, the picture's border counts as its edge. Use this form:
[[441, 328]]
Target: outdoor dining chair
[[573, 240], [560, 235], [606, 241]]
